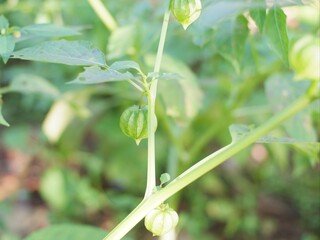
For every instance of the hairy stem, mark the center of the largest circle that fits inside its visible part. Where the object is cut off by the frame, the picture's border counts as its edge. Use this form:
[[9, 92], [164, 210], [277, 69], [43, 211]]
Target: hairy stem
[[206, 165]]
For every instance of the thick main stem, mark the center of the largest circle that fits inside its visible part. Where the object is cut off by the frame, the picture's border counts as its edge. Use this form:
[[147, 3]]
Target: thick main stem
[[152, 94], [204, 166]]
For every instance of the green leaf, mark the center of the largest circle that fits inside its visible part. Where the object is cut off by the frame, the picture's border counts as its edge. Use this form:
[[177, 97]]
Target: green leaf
[[68, 232], [48, 30], [4, 24], [164, 178], [309, 148], [6, 47], [230, 39], [2, 120], [125, 65], [95, 74], [29, 83], [259, 15], [281, 91], [276, 32], [65, 52]]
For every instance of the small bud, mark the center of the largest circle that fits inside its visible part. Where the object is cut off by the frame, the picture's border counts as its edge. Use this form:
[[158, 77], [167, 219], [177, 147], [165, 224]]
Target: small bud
[[186, 11], [161, 220]]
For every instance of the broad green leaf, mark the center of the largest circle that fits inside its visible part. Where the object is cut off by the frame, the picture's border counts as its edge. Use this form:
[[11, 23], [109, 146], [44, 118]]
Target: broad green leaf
[[281, 91], [4, 24], [230, 39], [125, 65], [95, 74], [309, 148], [28, 83], [65, 52], [182, 97], [276, 32], [68, 232], [49, 30], [259, 15], [6, 47], [2, 120]]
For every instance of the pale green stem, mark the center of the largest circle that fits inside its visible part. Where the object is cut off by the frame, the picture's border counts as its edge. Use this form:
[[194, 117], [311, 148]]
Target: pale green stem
[[206, 165], [152, 94], [103, 14], [136, 85]]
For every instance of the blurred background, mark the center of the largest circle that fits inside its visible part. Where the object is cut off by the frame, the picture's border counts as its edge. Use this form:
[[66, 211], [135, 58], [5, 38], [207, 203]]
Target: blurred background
[[64, 158]]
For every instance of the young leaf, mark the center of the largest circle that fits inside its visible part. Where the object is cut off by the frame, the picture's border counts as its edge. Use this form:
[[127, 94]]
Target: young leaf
[[276, 32], [68, 232], [238, 131], [95, 74], [259, 14], [6, 47], [164, 178], [79, 53]]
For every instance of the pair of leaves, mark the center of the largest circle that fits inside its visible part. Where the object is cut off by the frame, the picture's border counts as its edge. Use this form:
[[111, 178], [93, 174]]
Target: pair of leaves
[[274, 26]]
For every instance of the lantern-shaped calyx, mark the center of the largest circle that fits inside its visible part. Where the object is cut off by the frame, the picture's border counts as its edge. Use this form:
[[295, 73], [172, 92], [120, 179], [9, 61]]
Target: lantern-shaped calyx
[[161, 220], [134, 122], [186, 11]]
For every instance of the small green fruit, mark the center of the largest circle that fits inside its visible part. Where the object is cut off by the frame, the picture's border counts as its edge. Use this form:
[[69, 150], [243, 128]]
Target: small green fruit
[[186, 11], [134, 122], [161, 220]]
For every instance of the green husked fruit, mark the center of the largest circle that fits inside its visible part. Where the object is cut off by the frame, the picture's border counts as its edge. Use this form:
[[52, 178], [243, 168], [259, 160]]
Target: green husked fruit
[[134, 122], [186, 11], [161, 220]]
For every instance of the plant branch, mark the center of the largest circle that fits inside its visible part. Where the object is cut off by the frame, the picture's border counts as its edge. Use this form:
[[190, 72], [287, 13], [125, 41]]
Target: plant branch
[[103, 14], [151, 175], [206, 165]]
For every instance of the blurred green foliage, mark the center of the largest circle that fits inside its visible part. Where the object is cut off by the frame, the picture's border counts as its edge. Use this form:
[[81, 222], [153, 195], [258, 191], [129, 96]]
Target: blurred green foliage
[[91, 173]]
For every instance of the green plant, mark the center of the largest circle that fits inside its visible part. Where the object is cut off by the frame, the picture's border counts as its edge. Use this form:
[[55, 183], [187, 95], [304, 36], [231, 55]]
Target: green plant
[[230, 39]]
